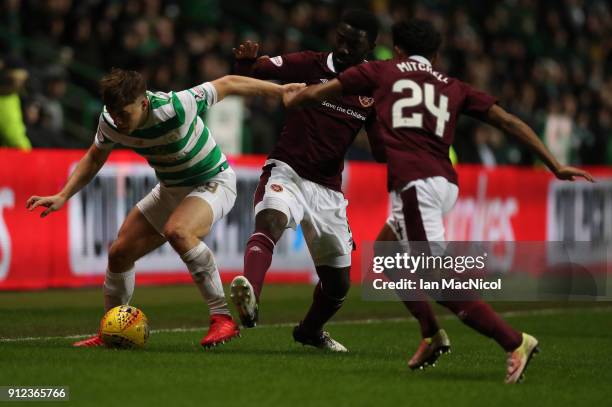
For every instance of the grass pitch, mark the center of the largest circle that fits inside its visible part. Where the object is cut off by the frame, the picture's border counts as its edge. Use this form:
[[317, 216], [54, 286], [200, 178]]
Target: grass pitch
[[266, 368]]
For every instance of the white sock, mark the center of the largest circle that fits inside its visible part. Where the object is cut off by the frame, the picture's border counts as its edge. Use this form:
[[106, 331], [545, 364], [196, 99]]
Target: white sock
[[201, 264], [118, 288]]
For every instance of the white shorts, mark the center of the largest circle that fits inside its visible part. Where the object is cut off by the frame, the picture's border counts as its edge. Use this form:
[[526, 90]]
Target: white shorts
[[417, 211], [320, 211], [219, 192]]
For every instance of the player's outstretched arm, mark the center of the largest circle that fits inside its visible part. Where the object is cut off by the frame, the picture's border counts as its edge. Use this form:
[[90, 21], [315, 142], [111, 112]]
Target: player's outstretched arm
[[85, 170], [245, 86], [312, 95], [514, 126]]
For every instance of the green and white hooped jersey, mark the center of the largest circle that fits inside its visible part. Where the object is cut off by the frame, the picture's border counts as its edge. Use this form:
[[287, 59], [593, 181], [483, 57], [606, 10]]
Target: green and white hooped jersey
[[174, 140]]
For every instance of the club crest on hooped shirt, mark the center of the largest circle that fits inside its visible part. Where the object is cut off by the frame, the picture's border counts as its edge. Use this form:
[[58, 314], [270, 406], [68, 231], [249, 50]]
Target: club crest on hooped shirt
[[366, 101], [199, 93]]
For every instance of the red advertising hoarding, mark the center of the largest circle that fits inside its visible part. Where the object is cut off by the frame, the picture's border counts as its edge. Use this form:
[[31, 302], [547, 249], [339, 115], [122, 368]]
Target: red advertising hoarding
[[69, 247]]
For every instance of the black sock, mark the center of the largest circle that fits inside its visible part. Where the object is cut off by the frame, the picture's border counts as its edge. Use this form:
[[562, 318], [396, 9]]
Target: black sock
[[323, 308]]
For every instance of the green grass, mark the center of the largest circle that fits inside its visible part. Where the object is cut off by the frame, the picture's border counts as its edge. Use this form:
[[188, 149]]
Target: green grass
[[266, 368]]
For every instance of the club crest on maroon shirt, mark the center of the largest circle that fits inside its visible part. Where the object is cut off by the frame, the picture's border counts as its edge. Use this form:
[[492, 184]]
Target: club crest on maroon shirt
[[276, 188], [278, 61], [366, 101]]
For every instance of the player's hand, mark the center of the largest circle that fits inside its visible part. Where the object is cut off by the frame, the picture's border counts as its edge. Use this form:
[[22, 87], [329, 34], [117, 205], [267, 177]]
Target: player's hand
[[567, 173], [290, 91], [52, 203], [246, 50]]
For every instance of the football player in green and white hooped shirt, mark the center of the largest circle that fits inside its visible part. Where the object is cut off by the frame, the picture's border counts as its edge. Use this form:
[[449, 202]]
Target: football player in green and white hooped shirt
[[197, 187]]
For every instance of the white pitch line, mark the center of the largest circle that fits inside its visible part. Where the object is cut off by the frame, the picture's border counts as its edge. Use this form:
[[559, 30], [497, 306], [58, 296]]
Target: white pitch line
[[507, 314]]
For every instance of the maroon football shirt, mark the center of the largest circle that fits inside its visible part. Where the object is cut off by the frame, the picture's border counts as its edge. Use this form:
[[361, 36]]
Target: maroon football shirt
[[314, 140], [418, 109]]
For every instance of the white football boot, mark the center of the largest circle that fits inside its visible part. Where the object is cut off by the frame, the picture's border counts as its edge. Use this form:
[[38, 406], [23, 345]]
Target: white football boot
[[243, 297]]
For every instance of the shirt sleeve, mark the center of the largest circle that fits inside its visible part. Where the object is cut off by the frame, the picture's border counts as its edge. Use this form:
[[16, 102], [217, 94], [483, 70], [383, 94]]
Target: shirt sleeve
[[294, 67], [477, 103], [377, 146], [198, 99], [106, 127], [204, 95], [359, 80]]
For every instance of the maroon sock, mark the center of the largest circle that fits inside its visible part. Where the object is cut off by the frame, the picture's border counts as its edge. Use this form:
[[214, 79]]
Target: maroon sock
[[479, 316], [420, 309], [322, 309], [423, 313], [257, 259]]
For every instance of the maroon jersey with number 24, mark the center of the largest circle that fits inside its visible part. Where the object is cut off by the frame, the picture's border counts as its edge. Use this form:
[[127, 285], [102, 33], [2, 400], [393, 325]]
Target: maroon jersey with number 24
[[417, 109]]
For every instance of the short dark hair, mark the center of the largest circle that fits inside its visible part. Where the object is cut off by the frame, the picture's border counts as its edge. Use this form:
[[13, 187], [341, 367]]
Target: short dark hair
[[120, 88], [362, 20], [416, 37]]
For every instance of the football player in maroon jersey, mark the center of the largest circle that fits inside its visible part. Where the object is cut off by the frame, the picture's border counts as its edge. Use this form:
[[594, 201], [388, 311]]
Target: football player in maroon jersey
[[301, 180], [417, 108]]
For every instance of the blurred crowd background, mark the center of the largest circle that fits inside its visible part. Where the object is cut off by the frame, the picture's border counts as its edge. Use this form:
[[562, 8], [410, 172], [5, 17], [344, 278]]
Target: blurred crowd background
[[548, 61]]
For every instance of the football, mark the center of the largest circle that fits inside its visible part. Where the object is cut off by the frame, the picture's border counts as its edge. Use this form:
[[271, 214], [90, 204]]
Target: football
[[124, 327]]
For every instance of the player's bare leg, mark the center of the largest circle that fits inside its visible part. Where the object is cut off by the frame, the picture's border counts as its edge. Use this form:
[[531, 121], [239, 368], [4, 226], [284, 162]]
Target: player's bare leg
[[434, 342], [136, 238], [189, 222], [327, 299], [245, 290]]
